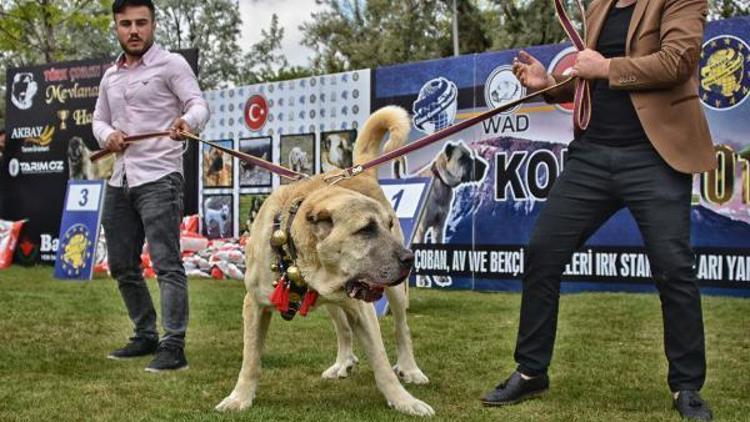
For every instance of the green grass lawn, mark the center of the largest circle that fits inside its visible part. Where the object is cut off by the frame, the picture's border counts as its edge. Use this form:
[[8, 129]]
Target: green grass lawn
[[609, 362]]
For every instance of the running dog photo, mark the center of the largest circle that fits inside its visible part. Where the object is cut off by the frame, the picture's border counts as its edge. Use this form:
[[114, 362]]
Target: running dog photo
[[298, 153], [336, 149], [217, 166], [348, 247], [252, 176], [217, 216]]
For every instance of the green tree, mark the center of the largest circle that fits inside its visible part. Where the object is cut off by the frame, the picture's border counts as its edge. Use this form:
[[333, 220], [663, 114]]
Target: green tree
[[721, 9], [350, 34], [266, 62], [212, 26]]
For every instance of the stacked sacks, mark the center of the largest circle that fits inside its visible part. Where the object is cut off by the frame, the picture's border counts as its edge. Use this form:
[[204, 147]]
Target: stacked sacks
[[9, 232], [216, 259]]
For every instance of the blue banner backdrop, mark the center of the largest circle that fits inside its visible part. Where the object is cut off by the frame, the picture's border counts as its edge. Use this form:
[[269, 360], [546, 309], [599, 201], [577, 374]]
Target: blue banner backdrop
[[473, 233]]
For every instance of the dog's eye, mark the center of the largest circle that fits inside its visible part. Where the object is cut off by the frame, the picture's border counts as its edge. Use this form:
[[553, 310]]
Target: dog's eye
[[368, 230], [390, 223]]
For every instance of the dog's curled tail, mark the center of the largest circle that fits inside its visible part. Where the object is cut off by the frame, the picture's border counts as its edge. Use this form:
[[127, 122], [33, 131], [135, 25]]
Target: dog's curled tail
[[391, 119]]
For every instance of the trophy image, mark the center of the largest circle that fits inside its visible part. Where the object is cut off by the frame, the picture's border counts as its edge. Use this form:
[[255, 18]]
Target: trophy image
[[63, 115]]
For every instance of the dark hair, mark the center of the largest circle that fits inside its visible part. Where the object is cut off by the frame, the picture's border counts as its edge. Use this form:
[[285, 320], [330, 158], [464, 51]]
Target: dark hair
[[119, 5], [2, 131]]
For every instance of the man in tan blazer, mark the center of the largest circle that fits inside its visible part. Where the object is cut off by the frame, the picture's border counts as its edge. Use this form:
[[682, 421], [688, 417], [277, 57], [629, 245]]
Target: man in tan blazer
[[647, 134]]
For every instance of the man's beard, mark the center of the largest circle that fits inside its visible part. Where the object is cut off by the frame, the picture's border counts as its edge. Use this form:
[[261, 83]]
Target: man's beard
[[136, 53]]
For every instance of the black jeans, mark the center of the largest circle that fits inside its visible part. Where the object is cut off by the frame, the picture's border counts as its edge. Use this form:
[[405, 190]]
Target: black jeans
[[597, 181], [152, 211]]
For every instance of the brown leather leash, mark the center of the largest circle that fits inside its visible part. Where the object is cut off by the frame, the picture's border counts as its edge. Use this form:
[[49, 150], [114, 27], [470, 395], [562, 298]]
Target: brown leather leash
[[582, 99], [350, 172], [273, 168]]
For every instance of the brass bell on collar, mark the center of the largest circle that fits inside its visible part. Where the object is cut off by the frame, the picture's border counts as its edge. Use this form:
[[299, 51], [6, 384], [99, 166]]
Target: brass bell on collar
[[295, 275], [278, 238], [274, 267]]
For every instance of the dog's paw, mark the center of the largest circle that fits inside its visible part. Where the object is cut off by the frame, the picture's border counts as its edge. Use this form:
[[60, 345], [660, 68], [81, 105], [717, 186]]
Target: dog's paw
[[235, 402], [413, 407], [340, 369], [411, 376]]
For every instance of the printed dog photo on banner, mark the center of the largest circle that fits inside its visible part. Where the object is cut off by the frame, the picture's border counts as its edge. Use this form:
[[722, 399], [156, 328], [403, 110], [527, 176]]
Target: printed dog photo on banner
[[298, 153], [218, 216], [80, 166], [457, 166], [217, 165], [249, 207], [336, 149], [250, 175]]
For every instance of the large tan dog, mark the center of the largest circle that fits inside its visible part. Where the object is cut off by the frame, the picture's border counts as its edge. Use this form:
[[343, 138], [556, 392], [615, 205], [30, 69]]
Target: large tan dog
[[350, 250]]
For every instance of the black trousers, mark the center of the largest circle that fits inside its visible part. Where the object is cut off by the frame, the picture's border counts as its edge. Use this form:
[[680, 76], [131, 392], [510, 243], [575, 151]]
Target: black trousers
[[597, 181]]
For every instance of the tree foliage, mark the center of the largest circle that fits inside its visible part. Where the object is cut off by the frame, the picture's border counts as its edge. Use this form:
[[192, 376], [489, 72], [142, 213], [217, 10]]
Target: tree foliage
[[212, 26], [45, 31], [266, 61]]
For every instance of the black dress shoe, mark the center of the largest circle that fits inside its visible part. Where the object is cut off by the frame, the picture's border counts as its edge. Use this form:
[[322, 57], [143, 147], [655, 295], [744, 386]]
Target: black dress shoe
[[692, 407], [516, 389], [135, 348]]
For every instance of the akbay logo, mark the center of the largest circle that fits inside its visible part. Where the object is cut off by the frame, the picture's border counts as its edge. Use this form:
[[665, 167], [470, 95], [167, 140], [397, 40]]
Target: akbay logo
[[35, 138]]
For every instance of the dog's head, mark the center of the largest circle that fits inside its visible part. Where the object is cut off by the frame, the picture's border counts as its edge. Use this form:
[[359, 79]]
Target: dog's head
[[224, 212], [339, 151], [76, 150], [346, 242], [458, 164]]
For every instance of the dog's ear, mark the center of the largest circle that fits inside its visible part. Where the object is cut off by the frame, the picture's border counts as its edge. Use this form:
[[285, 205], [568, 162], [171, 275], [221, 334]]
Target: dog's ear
[[449, 149], [320, 222]]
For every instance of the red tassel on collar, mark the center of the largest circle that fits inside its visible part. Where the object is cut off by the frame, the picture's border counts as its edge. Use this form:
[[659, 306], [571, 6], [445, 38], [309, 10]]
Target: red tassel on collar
[[308, 302], [280, 296]]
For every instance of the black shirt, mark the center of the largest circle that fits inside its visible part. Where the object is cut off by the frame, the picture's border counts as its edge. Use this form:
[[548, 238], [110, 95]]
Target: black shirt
[[614, 121]]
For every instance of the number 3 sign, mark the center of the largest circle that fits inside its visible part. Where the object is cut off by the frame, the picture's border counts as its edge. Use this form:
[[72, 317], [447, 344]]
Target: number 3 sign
[[79, 230]]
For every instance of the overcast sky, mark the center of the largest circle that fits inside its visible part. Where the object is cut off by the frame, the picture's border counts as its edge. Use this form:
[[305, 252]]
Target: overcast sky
[[256, 15]]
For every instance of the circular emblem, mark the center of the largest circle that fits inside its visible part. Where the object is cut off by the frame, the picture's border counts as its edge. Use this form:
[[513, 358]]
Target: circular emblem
[[724, 72], [435, 107], [256, 112], [563, 64], [22, 90], [76, 249], [13, 167], [502, 87]]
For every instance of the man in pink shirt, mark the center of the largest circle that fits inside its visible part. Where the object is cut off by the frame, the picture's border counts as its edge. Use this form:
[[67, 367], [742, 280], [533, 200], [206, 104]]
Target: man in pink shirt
[[148, 90]]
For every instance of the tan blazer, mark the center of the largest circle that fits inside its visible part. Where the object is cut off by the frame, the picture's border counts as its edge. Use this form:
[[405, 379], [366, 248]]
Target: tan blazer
[[660, 72]]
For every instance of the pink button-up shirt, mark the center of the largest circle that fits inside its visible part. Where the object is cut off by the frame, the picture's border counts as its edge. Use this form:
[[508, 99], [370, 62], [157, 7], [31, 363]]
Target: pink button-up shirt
[[147, 97]]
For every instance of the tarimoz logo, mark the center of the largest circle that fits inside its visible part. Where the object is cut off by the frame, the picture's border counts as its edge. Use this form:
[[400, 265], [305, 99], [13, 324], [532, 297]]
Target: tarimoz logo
[[38, 167]]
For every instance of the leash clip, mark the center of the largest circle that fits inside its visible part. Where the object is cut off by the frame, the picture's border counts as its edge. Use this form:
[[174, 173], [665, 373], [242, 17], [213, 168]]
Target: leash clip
[[344, 174]]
